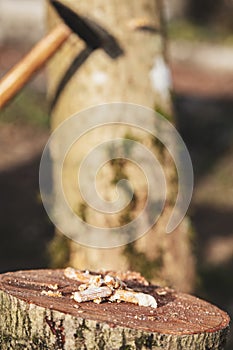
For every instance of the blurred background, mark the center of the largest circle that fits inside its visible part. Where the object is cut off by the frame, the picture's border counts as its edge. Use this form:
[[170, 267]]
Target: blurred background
[[200, 54]]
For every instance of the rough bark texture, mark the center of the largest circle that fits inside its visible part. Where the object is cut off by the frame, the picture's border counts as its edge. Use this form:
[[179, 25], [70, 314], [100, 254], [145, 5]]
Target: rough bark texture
[[128, 79], [31, 320]]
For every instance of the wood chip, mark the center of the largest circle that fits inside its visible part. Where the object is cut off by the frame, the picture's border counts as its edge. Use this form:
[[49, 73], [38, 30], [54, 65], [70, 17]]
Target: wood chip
[[131, 296], [92, 294]]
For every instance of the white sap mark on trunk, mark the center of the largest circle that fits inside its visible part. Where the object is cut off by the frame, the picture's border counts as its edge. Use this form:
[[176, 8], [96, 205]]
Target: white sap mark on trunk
[[160, 77], [99, 78]]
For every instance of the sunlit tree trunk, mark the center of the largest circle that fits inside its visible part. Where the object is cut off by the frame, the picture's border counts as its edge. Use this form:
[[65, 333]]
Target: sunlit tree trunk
[[139, 76]]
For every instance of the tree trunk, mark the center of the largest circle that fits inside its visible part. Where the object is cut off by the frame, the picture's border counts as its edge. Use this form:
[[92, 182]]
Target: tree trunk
[[138, 28], [31, 319], [176, 9]]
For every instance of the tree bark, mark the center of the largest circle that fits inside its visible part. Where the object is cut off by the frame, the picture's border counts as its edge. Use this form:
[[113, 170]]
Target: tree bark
[[32, 320], [158, 256]]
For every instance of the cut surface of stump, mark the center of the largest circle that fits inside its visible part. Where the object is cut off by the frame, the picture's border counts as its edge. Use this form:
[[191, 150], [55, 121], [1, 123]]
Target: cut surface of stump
[[37, 311]]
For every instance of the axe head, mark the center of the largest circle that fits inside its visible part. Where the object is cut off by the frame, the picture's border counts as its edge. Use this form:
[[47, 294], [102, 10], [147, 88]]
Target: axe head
[[92, 33]]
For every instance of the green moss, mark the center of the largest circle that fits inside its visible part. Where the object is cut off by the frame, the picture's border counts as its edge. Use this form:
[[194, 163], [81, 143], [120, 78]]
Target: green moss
[[118, 170], [126, 215], [82, 211], [144, 341], [125, 218], [118, 166], [79, 335], [101, 343], [131, 137], [139, 342], [5, 339], [39, 344], [19, 346], [58, 251], [138, 261], [158, 145], [164, 114], [128, 146], [82, 327], [124, 346]]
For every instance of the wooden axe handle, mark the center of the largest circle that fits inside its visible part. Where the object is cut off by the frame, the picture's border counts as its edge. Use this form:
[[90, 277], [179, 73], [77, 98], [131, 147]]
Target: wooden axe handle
[[19, 75]]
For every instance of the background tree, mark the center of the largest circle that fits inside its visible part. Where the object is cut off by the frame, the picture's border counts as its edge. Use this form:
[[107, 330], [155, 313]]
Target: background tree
[[139, 76]]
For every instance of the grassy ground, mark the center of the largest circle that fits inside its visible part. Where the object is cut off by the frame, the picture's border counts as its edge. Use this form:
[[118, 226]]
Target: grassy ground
[[29, 107], [207, 128], [24, 226], [192, 32]]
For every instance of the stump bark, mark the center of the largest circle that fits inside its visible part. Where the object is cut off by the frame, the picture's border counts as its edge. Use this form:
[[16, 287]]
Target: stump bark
[[30, 319]]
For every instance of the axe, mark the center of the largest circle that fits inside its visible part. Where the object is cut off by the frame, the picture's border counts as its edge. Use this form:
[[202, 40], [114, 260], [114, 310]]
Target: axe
[[92, 33]]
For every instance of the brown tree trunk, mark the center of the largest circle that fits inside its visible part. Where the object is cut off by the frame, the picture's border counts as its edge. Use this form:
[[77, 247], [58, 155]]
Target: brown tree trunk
[[32, 319], [138, 28]]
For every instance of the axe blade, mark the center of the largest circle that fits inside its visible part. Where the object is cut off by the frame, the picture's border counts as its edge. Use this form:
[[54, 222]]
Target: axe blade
[[93, 34]]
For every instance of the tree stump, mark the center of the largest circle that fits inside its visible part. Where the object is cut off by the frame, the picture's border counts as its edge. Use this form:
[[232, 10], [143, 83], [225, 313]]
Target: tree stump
[[31, 319]]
